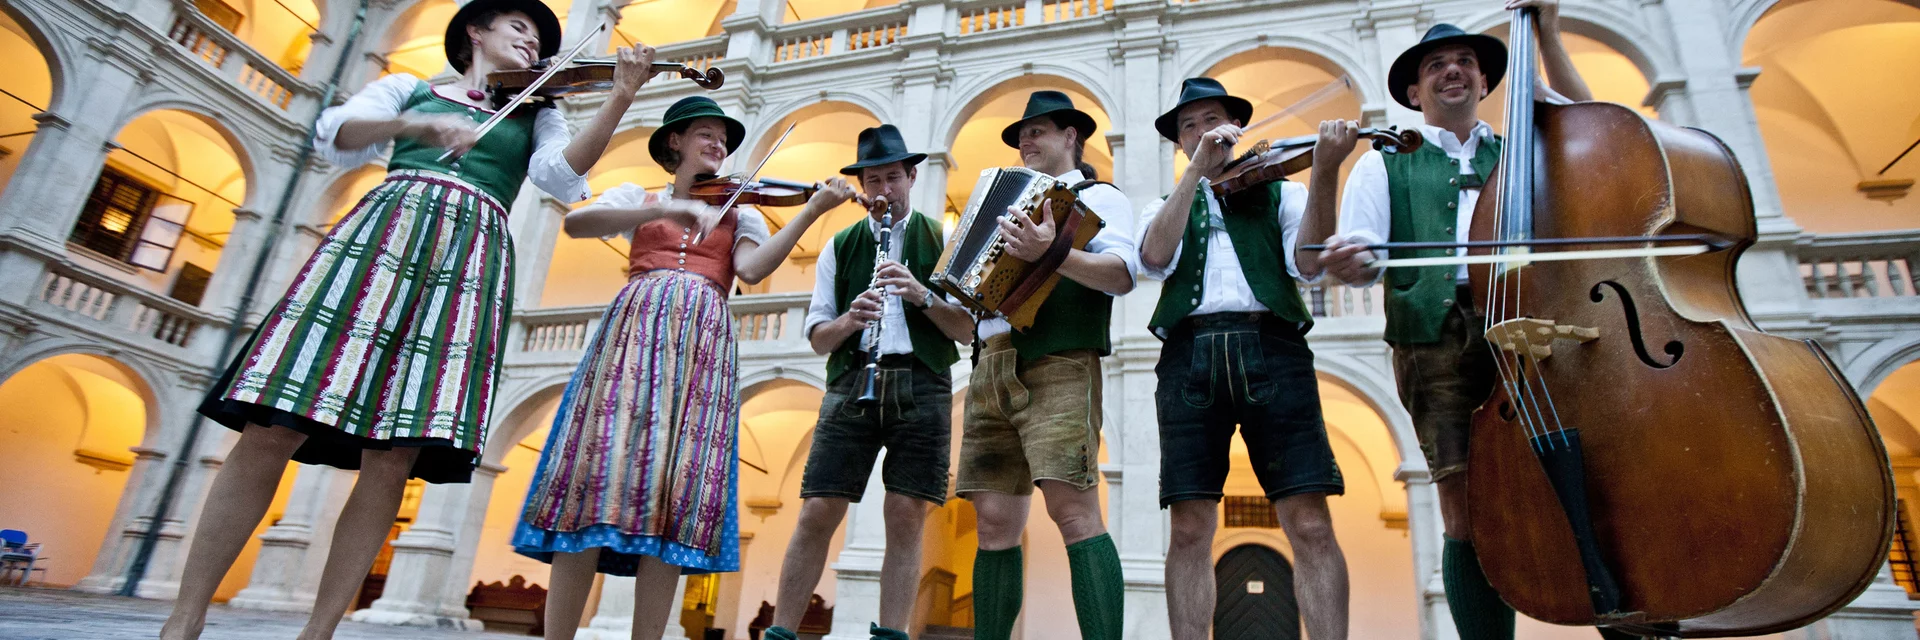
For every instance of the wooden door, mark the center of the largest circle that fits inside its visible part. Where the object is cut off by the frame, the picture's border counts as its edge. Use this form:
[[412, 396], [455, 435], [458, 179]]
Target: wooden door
[[1255, 600]]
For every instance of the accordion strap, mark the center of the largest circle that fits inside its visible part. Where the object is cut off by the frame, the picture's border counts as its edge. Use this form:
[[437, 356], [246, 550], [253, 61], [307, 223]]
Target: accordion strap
[[1049, 262]]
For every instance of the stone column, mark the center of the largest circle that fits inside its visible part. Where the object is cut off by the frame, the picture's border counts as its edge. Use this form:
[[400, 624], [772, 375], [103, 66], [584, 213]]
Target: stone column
[[420, 579], [144, 480], [58, 168], [286, 574], [536, 228], [726, 612], [162, 579], [1384, 32], [919, 84], [613, 618], [856, 591], [237, 257], [1425, 530]]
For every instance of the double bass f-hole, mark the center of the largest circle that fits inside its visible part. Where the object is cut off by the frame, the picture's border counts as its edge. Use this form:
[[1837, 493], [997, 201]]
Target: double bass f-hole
[[1673, 348]]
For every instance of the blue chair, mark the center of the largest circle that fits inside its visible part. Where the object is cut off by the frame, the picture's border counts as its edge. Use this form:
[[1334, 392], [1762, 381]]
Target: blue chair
[[16, 554]]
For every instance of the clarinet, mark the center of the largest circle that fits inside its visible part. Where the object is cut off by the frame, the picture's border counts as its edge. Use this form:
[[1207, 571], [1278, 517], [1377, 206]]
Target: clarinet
[[871, 337]]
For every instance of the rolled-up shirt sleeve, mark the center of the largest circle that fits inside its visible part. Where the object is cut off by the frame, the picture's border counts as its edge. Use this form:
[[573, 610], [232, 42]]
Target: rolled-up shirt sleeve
[[548, 168], [1366, 215], [822, 309], [1147, 216], [381, 99], [1117, 237], [1293, 209]]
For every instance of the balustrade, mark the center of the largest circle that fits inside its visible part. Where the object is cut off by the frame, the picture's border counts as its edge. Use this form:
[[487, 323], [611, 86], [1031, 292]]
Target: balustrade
[[217, 48], [119, 309], [1861, 265]]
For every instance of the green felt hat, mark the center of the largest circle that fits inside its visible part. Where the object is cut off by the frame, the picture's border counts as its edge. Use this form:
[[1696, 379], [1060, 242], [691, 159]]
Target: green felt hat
[[1194, 90], [880, 146], [683, 113], [1047, 103]]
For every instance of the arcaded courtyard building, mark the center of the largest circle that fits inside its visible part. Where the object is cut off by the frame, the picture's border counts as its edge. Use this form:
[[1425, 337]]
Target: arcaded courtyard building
[[150, 149]]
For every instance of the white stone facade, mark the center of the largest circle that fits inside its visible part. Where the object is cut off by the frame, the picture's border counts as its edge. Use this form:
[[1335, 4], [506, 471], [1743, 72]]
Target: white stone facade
[[113, 60]]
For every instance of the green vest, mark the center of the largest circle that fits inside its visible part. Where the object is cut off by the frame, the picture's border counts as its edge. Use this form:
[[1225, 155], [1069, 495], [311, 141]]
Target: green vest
[[1423, 190], [1253, 222], [1074, 316], [497, 165], [854, 251]]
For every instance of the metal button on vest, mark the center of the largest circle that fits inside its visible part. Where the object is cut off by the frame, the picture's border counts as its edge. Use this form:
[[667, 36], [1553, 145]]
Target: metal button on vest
[[1453, 181], [1194, 301], [1447, 302], [1449, 230], [1196, 288], [1451, 205]]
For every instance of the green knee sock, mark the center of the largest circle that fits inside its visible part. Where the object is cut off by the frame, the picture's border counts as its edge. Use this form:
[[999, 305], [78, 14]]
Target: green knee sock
[[1098, 588], [779, 633], [998, 581], [882, 633], [1478, 611]]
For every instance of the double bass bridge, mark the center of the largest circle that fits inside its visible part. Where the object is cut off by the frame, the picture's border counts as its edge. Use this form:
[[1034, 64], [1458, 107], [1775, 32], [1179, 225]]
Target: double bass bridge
[[1534, 337]]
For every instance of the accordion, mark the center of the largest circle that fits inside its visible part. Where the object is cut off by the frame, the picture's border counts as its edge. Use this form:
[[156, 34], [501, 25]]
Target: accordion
[[975, 268]]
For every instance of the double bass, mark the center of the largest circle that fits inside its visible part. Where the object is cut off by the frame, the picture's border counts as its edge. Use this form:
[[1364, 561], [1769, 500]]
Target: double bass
[[1650, 459]]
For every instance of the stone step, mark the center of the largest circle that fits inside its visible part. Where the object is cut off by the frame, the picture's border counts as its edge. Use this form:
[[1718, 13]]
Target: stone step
[[937, 632]]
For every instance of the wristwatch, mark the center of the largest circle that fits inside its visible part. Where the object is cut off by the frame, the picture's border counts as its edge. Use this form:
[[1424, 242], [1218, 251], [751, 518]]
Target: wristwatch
[[926, 301]]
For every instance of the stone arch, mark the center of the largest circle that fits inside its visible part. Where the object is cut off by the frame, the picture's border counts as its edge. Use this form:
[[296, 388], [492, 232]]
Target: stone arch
[[1375, 388], [1372, 90], [528, 401], [823, 140], [56, 50], [144, 373], [341, 189], [968, 99], [1748, 14], [74, 418], [1868, 369], [247, 149], [1270, 538], [1617, 30]]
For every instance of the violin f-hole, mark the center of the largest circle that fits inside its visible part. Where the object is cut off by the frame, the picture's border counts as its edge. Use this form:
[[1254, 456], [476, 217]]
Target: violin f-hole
[[1673, 348]]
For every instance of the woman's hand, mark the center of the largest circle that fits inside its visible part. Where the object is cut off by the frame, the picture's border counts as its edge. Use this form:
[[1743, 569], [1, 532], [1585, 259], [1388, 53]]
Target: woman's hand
[[448, 131], [632, 68], [692, 214]]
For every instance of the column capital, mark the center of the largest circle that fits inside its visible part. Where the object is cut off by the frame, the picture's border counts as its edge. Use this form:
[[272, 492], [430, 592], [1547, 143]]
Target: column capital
[[49, 119], [1745, 76], [244, 214]]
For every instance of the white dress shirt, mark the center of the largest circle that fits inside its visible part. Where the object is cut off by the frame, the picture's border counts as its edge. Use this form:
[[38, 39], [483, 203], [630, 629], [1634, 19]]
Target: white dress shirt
[[1117, 238], [894, 338], [1366, 211], [384, 99], [750, 226], [1226, 289]]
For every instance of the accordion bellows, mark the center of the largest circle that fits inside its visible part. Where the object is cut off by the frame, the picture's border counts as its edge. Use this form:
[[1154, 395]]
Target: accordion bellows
[[975, 267]]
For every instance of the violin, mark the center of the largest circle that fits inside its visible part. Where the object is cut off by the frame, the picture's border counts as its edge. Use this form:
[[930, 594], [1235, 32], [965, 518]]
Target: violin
[[765, 192], [1651, 460], [1271, 160], [584, 76]]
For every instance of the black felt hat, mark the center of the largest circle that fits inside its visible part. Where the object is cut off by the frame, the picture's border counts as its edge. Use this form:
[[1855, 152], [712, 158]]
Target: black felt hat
[[455, 40], [683, 113], [882, 145], [1406, 68], [1194, 90], [1043, 103]]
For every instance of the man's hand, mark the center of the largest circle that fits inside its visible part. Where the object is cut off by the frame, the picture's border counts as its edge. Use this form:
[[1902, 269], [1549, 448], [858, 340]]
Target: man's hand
[[832, 193], [1216, 148], [864, 309], [632, 68], [1025, 239], [1347, 261], [896, 280], [1548, 12], [1336, 142], [448, 131]]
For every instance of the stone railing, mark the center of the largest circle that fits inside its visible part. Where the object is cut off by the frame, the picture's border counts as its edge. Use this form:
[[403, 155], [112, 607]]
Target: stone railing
[[771, 320], [1860, 265], [119, 309], [225, 53], [1326, 299], [699, 54], [980, 16], [844, 33]]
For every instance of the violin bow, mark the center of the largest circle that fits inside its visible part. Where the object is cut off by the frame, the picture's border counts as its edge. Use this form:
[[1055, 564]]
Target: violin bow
[[750, 176], [1338, 86], [552, 68], [1695, 244]]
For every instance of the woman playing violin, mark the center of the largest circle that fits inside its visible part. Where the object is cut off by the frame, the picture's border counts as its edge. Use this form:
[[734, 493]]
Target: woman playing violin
[[639, 474], [383, 353]]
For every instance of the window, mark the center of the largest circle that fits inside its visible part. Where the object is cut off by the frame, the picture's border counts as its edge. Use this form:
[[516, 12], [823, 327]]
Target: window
[[1249, 511], [220, 13], [191, 284], [131, 221], [1906, 573]]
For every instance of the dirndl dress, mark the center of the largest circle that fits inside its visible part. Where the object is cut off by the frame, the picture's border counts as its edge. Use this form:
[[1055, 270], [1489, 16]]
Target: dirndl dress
[[643, 457], [393, 332]]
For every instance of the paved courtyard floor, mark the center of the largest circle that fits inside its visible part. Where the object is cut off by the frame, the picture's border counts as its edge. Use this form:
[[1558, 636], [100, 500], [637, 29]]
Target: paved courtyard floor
[[49, 614]]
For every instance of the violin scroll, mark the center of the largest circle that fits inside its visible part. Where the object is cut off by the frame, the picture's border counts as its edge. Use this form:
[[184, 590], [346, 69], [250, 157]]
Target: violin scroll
[[710, 79]]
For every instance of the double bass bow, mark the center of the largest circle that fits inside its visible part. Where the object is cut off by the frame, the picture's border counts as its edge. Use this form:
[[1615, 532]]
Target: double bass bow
[[1650, 459]]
